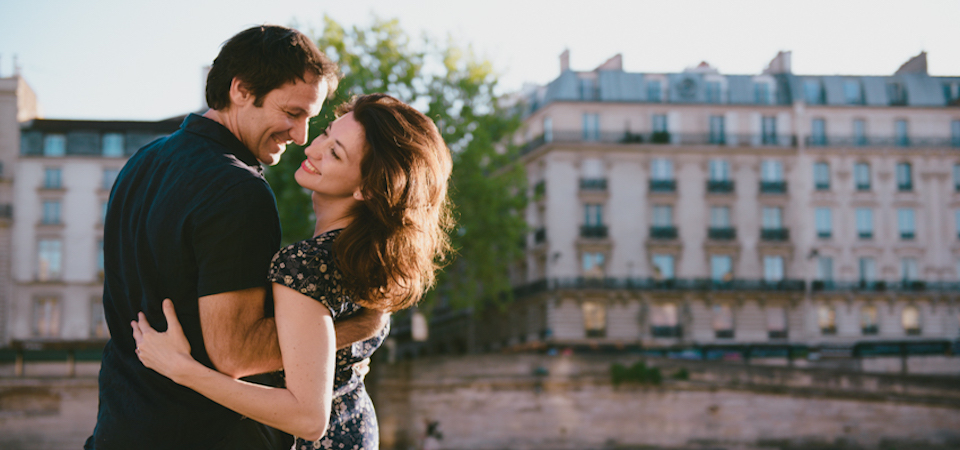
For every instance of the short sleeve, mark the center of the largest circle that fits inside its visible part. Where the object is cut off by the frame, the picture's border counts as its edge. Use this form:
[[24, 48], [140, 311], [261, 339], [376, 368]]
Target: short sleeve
[[307, 268], [234, 236]]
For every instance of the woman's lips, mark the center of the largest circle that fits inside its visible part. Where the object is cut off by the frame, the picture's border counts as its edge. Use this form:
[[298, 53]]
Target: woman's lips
[[309, 167]]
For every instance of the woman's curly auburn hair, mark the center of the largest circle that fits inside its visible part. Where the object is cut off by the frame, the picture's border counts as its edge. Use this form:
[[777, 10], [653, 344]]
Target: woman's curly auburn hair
[[390, 252]]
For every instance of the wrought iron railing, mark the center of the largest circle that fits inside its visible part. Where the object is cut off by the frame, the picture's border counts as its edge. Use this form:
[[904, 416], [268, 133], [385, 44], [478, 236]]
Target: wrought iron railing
[[593, 231]]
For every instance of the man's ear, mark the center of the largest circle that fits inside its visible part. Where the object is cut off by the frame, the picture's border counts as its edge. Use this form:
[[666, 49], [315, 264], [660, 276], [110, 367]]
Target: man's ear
[[239, 93]]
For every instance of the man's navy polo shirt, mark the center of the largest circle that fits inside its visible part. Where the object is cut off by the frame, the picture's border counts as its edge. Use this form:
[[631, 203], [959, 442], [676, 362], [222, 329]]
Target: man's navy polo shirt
[[189, 215]]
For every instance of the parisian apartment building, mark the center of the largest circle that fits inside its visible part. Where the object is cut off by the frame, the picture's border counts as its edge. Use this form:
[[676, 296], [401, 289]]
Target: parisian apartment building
[[55, 179], [700, 208]]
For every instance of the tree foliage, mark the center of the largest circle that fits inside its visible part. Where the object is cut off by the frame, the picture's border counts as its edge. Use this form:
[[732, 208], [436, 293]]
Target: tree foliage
[[457, 89]]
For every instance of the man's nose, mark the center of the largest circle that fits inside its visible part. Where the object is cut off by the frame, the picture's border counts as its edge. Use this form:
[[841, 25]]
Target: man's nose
[[299, 131]]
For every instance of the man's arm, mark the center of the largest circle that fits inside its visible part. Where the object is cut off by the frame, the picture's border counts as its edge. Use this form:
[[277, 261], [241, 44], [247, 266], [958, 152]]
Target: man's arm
[[239, 339], [360, 327]]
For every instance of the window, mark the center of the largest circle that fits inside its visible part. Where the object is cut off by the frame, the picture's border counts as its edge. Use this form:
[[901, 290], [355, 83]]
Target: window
[[904, 177], [717, 131], [869, 323], [818, 132], [721, 268], [52, 178], [771, 170], [956, 177], [821, 176], [909, 271], [813, 92], [827, 319], [591, 127], [956, 221], [713, 92], [772, 268], [100, 256], [663, 267], [46, 317], [861, 176], [98, 323], [906, 223], [49, 252], [548, 129], [852, 92], [897, 94], [654, 91], [661, 169], [761, 93], [594, 319], [868, 270], [824, 225], [825, 268], [776, 322], [593, 265], [54, 145], [112, 145], [910, 319], [951, 92], [664, 320], [662, 215], [955, 133], [720, 216], [587, 89], [772, 217], [768, 129], [722, 321], [864, 223], [109, 176], [902, 139], [51, 212], [660, 133], [592, 214], [859, 132], [719, 170]]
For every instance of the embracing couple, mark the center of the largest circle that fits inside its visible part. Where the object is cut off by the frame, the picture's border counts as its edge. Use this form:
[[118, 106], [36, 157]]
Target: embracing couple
[[196, 294]]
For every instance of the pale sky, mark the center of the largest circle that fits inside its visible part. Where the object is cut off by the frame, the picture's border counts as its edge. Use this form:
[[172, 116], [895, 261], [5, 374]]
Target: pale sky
[[142, 60]]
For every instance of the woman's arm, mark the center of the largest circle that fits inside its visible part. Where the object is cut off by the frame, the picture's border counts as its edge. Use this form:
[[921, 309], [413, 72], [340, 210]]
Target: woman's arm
[[307, 340]]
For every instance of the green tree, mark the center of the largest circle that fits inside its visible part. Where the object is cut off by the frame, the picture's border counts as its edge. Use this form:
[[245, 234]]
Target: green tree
[[457, 89]]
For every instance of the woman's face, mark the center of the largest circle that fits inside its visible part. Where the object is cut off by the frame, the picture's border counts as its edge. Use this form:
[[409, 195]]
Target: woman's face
[[332, 167]]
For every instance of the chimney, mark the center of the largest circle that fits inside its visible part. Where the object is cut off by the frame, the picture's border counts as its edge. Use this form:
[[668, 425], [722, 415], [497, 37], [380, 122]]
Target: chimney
[[565, 60], [779, 64], [615, 63], [917, 64]]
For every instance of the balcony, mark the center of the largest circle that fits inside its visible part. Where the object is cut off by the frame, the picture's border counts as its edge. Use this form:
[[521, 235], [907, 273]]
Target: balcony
[[6, 211], [663, 185], [777, 334], [821, 186], [866, 235], [773, 187], [863, 186], [824, 234], [659, 138], [907, 235], [593, 184], [663, 232], [722, 233], [593, 231], [884, 286], [723, 334], [879, 141], [905, 187], [653, 284], [775, 234], [666, 331], [720, 186], [870, 330]]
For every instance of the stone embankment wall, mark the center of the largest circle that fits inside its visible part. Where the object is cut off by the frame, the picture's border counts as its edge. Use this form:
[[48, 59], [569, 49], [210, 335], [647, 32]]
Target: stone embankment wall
[[569, 402], [47, 413]]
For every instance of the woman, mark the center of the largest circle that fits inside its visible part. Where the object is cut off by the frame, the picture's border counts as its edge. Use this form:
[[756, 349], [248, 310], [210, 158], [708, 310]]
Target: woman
[[378, 176]]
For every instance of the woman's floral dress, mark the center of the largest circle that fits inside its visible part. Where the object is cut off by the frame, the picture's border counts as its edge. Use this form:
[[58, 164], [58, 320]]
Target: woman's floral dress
[[308, 267]]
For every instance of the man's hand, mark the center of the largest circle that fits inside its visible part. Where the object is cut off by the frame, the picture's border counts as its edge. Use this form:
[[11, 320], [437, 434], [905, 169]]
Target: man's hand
[[362, 326], [239, 340]]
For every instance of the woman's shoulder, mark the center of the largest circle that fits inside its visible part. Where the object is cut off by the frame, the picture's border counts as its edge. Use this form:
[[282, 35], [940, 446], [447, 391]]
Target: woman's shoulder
[[308, 266]]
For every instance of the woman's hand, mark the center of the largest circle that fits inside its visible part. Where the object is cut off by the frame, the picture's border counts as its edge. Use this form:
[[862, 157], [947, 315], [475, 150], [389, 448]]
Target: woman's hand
[[169, 352]]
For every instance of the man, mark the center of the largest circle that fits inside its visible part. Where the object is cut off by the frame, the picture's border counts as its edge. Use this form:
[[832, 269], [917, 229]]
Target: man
[[191, 218]]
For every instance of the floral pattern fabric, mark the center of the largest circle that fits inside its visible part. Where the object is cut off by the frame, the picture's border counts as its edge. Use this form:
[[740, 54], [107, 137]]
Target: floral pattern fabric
[[309, 267]]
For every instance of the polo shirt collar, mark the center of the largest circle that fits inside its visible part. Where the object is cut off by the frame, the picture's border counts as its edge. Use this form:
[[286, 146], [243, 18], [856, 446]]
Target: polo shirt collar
[[211, 129]]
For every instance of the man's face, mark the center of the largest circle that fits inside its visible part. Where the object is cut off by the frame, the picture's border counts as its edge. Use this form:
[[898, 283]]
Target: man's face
[[281, 119]]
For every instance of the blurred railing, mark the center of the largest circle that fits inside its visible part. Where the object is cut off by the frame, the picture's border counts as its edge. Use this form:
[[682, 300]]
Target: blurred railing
[[880, 141], [22, 352]]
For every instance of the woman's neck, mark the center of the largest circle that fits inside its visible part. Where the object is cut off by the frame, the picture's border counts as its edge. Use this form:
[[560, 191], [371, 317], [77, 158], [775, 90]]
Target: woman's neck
[[331, 215]]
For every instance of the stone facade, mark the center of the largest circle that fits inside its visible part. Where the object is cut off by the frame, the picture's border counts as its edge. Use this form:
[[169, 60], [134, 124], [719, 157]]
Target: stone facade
[[703, 208], [54, 185]]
